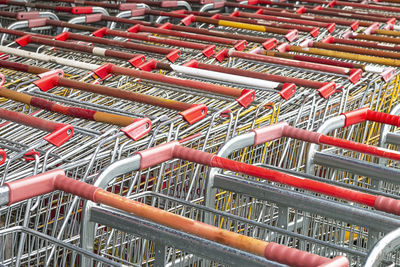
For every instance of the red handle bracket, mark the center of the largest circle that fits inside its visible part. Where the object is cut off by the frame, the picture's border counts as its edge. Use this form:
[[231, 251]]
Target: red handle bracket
[[60, 135], [188, 20], [137, 129], [149, 65], [355, 75], [240, 45], [30, 156], [62, 36], [24, 40], [209, 51], [104, 71], [292, 35], [195, 113], [47, 83], [246, 98], [270, 44], [315, 31], [327, 89], [288, 90], [100, 32], [221, 55], [137, 60], [173, 55]]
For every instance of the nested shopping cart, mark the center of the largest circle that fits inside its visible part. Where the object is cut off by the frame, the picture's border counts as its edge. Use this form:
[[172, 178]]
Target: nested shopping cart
[[345, 226]]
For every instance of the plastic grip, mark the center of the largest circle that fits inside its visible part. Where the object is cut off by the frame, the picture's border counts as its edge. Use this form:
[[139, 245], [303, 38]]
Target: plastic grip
[[156, 155], [339, 261], [75, 187], [387, 204], [363, 114], [300, 134], [192, 155], [269, 133], [32, 186], [383, 117], [293, 257]]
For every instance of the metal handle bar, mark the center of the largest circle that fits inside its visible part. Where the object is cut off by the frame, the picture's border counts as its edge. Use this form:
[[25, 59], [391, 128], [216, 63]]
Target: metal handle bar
[[76, 112], [48, 182], [60, 132]]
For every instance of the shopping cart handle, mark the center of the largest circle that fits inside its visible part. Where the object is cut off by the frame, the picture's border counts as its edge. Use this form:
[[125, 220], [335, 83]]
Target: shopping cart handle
[[60, 132], [386, 204], [366, 114], [295, 257]]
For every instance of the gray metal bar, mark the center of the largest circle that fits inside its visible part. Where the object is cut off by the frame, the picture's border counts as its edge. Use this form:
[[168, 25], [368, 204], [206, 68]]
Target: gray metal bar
[[359, 167], [392, 138], [180, 240], [379, 221]]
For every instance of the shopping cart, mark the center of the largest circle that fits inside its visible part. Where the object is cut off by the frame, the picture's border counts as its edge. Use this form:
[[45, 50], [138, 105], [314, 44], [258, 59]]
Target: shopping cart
[[314, 216], [14, 192]]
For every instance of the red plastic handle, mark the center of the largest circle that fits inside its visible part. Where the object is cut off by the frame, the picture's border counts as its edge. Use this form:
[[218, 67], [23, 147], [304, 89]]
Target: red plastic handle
[[366, 114]]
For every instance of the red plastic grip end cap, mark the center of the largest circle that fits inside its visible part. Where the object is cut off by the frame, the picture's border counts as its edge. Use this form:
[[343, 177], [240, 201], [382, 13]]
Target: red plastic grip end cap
[[137, 60], [260, 11], [188, 20], [222, 55], [318, 7], [270, 44], [235, 14], [301, 10], [137, 129], [355, 75], [134, 28], [215, 16], [246, 98], [332, 3], [100, 32], [104, 71], [292, 35], [209, 51], [149, 65], [191, 63], [165, 26], [240, 45], [328, 40], [174, 55], [355, 25], [252, 2], [327, 90], [60, 135], [387, 74], [62, 36], [315, 31], [331, 27], [24, 40], [288, 90], [47, 83], [195, 113]]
